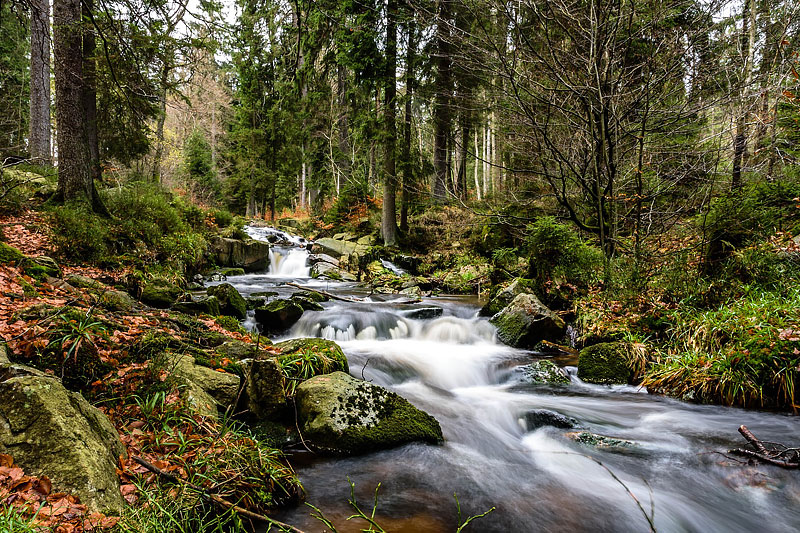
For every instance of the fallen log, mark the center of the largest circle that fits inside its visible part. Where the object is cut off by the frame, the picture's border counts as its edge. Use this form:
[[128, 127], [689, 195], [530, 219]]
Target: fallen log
[[217, 499]]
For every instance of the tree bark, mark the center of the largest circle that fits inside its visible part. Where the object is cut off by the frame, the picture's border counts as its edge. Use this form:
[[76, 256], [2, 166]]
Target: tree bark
[[748, 49], [389, 214], [39, 140], [408, 167], [441, 111], [74, 173]]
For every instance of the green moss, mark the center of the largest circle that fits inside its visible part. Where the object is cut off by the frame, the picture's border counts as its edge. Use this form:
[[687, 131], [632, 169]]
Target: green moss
[[605, 364], [160, 293], [545, 372], [231, 302], [201, 306], [9, 254], [231, 324]]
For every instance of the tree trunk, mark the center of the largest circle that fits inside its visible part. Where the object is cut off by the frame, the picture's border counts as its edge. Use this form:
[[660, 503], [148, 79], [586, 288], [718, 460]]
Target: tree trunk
[[39, 140], [343, 124], [389, 214], [408, 167], [162, 117], [748, 49], [441, 110], [74, 174]]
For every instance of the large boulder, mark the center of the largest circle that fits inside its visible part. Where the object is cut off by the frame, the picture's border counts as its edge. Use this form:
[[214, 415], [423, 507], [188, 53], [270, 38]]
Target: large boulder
[[208, 390], [231, 302], [114, 300], [83, 282], [334, 247], [342, 415], [278, 315], [251, 255], [506, 296], [332, 357], [322, 258], [606, 363], [51, 431], [41, 267], [327, 270], [526, 321], [160, 293]]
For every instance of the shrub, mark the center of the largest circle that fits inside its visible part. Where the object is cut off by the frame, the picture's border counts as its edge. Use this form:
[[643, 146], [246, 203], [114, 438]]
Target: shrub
[[556, 253], [78, 233]]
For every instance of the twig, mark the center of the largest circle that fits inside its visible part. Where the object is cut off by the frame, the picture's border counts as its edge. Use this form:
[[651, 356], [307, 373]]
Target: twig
[[753, 440], [217, 499], [765, 458]]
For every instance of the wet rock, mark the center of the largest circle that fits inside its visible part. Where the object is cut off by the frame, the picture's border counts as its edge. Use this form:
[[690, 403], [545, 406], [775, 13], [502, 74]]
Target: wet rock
[[544, 372], [527, 321], [322, 258], [345, 416], [264, 394], [412, 292], [424, 313], [200, 306], [230, 271], [606, 363], [67, 440], [9, 254], [160, 293], [209, 390], [545, 417], [506, 296], [278, 315], [231, 302], [264, 294], [601, 441], [253, 302], [326, 270], [346, 236], [117, 301], [314, 296], [251, 255], [306, 303]]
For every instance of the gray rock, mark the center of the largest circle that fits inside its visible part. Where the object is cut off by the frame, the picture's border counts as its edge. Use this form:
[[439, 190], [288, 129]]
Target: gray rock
[[199, 306], [51, 431], [209, 390], [278, 315], [544, 372], [544, 417], [606, 363], [322, 258], [424, 313], [251, 255], [345, 416], [264, 387], [326, 270], [526, 321], [117, 301], [506, 296]]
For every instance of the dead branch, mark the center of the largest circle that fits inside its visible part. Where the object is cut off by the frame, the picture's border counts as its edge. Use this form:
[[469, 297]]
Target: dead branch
[[780, 455]]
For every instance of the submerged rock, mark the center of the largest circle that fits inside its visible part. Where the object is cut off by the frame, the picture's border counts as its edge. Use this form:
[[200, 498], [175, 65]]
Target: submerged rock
[[231, 302], [545, 417], [160, 293], [526, 321], [601, 441], [605, 364], [345, 416], [278, 315], [544, 372], [424, 313], [51, 431]]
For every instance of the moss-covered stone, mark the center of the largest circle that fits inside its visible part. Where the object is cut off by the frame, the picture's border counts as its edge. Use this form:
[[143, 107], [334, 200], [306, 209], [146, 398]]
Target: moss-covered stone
[[526, 321], [160, 293], [83, 282], [345, 416], [278, 315], [232, 271], [264, 387], [200, 306], [314, 296], [505, 296], [222, 387], [605, 364], [238, 350], [544, 417], [254, 302], [231, 302], [9, 254], [68, 440], [544, 372], [40, 268], [327, 348], [117, 301], [306, 304], [601, 441]]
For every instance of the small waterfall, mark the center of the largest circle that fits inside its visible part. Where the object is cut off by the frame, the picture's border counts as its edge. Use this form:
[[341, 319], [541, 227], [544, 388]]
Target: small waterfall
[[288, 263], [274, 236], [388, 265]]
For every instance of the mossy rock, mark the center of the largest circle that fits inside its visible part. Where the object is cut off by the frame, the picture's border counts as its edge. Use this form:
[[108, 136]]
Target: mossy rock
[[606, 363], [232, 271], [314, 296], [342, 415], [40, 268], [238, 350], [254, 302], [544, 372], [526, 321], [231, 302], [83, 282], [505, 296], [117, 301], [222, 387], [306, 304], [160, 293], [329, 349], [602, 442], [278, 315], [264, 386], [545, 418], [9, 254], [201, 306], [68, 440]]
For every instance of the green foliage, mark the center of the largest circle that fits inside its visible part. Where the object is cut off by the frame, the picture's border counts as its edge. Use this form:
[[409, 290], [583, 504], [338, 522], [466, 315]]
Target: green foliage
[[556, 253], [14, 521], [14, 79], [745, 352], [79, 233], [197, 160]]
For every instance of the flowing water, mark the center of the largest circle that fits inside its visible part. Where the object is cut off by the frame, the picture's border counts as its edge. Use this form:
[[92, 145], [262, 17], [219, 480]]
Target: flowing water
[[446, 361]]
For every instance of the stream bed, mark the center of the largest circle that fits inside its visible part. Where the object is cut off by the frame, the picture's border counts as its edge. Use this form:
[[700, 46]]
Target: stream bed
[[453, 367]]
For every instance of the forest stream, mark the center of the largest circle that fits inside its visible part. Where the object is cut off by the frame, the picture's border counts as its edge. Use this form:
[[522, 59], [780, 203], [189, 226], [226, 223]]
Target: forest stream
[[538, 479]]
